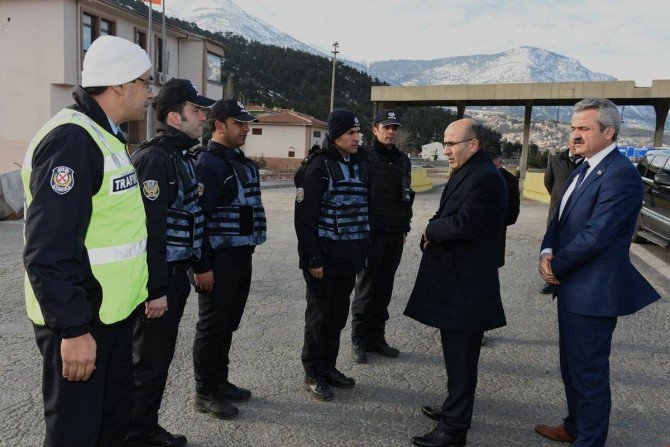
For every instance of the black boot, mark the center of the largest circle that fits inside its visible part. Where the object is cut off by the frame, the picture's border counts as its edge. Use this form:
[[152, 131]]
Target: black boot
[[338, 380], [215, 405], [233, 392], [319, 388], [158, 437]]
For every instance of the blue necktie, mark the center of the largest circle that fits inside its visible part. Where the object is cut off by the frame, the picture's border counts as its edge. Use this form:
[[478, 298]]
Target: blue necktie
[[580, 178]]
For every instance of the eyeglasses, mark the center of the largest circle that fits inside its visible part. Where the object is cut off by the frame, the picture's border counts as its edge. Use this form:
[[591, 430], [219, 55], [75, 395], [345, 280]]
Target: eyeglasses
[[148, 83], [450, 144]]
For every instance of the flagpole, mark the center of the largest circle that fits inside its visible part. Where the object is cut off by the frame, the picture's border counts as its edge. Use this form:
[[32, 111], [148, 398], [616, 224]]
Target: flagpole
[[165, 59], [150, 115]]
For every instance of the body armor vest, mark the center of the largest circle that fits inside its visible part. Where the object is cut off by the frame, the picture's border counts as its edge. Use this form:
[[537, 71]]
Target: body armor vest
[[242, 222], [344, 206]]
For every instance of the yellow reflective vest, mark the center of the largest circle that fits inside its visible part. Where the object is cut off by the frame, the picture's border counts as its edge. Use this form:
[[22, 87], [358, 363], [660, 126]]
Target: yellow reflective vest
[[116, 240]]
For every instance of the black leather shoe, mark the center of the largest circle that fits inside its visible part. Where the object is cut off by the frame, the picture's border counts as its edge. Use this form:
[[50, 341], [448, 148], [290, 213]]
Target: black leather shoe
[[437, 438], [431, 412], [358, 354], [158, 437], [216, 406], [383, 348], [319, 388], [338, 380], [547, 289], [234, 393]]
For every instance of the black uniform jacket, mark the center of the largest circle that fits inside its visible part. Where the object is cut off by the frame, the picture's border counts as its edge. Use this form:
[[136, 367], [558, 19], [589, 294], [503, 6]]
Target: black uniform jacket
[[559, 168], [336, 257], [219, 188], [55, 256], [392, 156], [457, 287], [513, 208], [155, 162]]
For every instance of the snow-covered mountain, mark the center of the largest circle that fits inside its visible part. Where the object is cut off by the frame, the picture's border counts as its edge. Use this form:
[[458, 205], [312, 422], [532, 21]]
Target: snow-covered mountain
[[227, 16], [523, 64]]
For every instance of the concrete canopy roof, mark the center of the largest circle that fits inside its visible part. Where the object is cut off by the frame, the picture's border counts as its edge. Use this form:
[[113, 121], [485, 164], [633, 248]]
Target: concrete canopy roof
[[535, 94]]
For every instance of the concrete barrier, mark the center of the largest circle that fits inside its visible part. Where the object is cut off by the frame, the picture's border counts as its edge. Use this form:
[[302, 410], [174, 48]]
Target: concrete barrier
[[533, 187], [11, 195], [420, 180]]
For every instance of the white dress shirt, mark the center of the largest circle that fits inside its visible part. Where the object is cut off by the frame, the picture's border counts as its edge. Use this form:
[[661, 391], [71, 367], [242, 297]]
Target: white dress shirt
[[593, 163]]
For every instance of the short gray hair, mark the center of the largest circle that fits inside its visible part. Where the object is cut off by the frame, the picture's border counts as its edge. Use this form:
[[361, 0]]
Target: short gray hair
[[608, 113]]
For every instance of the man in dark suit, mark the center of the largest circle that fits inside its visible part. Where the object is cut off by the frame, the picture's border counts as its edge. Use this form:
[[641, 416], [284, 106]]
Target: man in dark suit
[[513, 196], [585, 253], [457, 288], [559, 168]]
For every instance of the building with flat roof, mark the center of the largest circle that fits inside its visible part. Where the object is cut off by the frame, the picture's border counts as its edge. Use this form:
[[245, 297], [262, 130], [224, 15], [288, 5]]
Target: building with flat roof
[[43, 44]]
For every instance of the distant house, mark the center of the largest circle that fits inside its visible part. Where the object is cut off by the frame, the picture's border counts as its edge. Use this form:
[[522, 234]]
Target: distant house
[[43, 44], [283, 136], [433, 151]]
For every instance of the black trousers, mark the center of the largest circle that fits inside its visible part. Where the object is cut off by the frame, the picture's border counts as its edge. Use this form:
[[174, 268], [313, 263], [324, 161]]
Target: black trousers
[[374, 286], [461, 356], [219, 315], [95, 412], [325, 317], [154, 343]]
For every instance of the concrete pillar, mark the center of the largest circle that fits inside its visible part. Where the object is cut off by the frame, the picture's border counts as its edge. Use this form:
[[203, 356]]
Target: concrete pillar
[[661, 116], [523, 163], [460, 110]]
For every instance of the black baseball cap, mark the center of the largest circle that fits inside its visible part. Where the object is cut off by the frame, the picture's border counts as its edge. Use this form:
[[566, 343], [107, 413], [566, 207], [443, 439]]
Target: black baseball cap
[[230, 108], [386, 117], [176, 91]]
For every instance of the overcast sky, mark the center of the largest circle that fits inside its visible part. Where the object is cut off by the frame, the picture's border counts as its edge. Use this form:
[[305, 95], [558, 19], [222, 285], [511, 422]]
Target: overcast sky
[[628, 39]]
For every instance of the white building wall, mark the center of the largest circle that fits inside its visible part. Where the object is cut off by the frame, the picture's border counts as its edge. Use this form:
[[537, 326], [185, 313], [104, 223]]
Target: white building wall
[[276, 141], [428, 151]]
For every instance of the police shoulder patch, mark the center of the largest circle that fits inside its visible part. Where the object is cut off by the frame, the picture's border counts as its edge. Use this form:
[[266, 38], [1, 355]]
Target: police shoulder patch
[[150, 189], [299, 194], [62, 179], [201, 189]]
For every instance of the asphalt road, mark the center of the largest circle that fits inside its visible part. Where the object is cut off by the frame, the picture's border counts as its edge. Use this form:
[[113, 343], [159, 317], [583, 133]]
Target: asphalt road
[[519, 381]]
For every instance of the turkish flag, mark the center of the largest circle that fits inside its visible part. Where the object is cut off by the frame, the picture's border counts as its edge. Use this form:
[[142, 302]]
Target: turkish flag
[[154, 2]]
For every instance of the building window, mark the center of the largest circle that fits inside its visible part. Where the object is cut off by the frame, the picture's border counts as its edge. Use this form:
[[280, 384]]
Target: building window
[[256, 131], [159, 56], [291, 154], [141, 39], [93, 27], [106, 27], [317, 134], [214, 68]]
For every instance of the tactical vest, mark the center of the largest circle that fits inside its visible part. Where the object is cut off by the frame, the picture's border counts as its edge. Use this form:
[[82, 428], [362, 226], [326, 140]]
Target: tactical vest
[[344, 205], [185, 221], [116, 240], [391, 191], [242, 222]]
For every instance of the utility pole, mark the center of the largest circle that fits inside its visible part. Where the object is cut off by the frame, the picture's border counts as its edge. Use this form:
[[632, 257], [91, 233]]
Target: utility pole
[[332, 83]]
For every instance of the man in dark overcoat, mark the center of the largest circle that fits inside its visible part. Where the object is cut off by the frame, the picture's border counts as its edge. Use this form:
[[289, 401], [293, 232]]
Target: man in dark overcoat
[[457, 288]]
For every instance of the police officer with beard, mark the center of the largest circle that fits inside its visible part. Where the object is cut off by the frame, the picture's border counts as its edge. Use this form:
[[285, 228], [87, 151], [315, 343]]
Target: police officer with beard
[[175, 229], [392, 197], [235, 225], [332, 225]]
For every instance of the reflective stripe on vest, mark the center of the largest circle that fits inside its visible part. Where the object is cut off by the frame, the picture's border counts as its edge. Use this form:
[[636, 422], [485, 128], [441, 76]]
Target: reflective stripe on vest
[[116, 239], [242, 222], [344, 206], [185, 221]]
